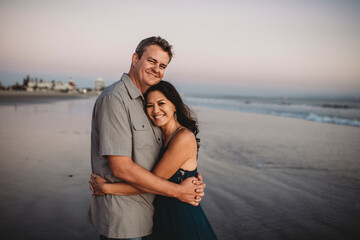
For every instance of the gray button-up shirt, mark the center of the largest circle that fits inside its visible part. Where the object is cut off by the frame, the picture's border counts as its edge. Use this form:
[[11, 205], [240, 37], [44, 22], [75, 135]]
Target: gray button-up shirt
[[121, 127]]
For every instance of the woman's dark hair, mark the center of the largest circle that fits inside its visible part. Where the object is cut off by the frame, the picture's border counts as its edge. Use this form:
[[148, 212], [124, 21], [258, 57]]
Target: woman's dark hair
[[183, 113], [145, 43]]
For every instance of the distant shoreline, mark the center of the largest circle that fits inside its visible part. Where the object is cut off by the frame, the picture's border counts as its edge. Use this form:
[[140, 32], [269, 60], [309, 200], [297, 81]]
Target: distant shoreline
[[22, 97]]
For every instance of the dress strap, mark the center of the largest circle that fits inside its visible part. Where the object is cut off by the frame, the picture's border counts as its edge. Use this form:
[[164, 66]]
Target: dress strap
[[172, 135]]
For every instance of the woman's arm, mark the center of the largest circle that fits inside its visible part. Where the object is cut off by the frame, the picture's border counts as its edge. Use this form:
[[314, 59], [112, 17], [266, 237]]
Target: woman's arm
[[99, 186], [181, 149]]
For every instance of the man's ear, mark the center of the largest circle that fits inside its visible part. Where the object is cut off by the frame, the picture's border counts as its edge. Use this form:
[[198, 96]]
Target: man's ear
[[134, 59]]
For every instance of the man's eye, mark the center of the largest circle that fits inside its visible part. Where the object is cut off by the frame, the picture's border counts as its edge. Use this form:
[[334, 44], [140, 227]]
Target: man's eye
[[151, 60], [162, 66]]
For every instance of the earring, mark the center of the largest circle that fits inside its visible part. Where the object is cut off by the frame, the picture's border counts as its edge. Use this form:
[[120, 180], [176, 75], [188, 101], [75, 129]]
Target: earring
[[175, 116]]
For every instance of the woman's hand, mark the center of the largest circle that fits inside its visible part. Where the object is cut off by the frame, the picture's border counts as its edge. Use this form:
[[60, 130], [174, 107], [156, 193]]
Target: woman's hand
[[97, 184]]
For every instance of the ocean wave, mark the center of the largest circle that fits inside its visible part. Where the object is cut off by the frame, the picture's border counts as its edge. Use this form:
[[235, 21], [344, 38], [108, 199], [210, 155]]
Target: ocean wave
[[334, 120], [331, 112], [326, 105]]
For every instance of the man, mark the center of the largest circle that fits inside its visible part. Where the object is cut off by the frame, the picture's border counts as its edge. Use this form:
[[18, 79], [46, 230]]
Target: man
[[125, 145]]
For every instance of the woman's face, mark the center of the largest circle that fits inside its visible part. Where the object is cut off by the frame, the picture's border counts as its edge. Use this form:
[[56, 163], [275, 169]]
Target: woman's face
[[159, 109]]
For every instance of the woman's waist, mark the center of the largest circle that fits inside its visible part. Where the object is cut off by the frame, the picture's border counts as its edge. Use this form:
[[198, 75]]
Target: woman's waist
[[182, 174]]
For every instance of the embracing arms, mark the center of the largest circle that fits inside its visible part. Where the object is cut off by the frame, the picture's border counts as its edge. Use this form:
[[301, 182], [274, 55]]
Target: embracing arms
[[181, 150]]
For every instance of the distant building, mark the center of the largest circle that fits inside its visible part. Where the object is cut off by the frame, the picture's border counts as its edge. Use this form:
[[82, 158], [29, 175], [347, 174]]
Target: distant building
[[72, 84], [36, 85], [99, 84], [64, 87]]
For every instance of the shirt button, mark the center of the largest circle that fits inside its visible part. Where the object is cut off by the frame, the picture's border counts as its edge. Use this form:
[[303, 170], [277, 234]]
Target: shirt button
[[143, 126], [158, 139]]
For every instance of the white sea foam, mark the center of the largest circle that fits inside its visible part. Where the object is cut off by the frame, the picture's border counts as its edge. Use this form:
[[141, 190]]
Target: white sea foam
[[333, 110], [335, 120]]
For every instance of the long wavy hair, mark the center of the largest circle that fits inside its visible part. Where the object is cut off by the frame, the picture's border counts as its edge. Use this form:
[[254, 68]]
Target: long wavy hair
[[185, 116]]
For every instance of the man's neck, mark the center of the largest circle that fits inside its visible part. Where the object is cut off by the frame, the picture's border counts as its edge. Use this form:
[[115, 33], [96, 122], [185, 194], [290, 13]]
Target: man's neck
[[142, 89]]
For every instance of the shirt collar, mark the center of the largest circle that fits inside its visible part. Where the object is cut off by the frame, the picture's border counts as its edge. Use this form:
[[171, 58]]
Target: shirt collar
[[132, 89]]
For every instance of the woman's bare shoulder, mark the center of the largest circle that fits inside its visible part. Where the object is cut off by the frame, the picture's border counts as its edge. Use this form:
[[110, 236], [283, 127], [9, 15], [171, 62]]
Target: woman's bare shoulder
[[184, 137]]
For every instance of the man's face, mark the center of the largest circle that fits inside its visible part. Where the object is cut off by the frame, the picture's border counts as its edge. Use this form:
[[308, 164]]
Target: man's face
[[150, 68]]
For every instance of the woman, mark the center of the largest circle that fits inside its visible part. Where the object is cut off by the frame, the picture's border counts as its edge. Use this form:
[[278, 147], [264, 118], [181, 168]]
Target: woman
[[173, 219]]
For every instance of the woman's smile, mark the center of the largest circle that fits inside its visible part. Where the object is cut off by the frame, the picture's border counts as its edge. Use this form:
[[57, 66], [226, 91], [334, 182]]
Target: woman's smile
[[160, 109]]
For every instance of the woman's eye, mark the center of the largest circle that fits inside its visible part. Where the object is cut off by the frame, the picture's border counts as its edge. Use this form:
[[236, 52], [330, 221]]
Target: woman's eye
[[148, 106]]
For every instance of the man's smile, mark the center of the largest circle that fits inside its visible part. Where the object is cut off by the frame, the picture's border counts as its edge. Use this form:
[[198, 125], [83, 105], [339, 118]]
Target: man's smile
[[153, 74]]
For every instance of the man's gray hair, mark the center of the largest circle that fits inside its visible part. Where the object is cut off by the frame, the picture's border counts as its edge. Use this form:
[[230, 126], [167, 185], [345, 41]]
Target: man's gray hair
[[144, 44]]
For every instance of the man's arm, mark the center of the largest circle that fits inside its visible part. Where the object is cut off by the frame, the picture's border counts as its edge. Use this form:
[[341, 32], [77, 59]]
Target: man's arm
[[115, 131], [124, 168], [183, 148]]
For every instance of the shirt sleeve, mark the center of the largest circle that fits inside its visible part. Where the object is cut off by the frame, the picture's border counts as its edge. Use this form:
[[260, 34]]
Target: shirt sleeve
[[114, 127]]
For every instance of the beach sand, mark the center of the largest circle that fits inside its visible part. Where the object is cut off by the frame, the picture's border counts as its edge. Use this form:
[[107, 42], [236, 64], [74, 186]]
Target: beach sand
[[267, 177], [271, 177], [23, 97]]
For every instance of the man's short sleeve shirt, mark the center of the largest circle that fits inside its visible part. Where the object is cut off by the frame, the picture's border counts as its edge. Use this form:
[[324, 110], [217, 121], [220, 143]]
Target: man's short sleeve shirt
[[120, 127]]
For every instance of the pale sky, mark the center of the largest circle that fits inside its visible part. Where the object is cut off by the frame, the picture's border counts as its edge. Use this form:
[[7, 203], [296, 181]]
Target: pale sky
[[264, 44]]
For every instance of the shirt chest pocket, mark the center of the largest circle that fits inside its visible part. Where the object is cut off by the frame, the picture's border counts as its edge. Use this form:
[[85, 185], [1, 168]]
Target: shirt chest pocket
[[143, 136]]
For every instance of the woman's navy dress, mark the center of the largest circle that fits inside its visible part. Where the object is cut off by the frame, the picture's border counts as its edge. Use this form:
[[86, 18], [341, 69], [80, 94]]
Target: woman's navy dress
[[176, 220]]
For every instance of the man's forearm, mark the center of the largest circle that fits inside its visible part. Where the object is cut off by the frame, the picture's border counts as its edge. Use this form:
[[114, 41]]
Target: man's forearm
[[146, 181]]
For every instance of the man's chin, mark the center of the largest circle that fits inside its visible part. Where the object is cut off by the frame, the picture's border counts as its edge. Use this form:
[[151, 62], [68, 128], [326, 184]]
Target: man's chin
[[154, 81]]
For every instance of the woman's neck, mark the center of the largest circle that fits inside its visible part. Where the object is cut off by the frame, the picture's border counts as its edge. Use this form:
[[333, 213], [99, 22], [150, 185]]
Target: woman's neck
[[168, 130]]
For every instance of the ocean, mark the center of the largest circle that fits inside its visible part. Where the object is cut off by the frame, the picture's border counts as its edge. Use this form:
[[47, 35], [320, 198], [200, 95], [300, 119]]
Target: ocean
[[334, 110]]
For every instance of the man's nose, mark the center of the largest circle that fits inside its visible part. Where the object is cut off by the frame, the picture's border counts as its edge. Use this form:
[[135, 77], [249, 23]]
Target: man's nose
[[156, 68]]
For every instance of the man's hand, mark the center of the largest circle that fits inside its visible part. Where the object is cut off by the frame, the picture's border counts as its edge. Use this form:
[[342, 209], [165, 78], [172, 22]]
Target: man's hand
[[192, 190], [200, 182]]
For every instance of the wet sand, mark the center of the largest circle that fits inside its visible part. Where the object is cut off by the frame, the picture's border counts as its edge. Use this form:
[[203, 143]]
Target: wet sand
[[23, 97], [280, 178], [267, 177]]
